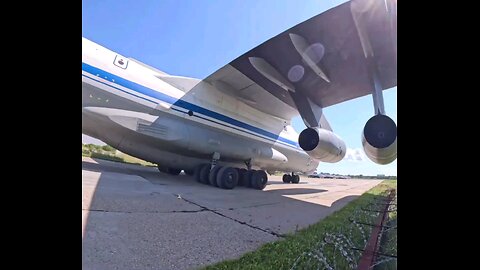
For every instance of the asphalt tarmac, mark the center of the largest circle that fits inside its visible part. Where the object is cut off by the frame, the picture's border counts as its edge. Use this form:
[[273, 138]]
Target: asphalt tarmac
[[135, 217]]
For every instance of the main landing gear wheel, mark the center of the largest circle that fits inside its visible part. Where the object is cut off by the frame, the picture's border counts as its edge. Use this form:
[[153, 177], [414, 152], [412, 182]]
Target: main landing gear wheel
[[242, 174], [204, 172], [259, 180], [212, 176], [247, 178], [227, 178], [198, 172]]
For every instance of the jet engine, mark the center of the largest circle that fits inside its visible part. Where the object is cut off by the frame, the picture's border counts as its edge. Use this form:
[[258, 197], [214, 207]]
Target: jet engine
[[322, 144], [379, 139]]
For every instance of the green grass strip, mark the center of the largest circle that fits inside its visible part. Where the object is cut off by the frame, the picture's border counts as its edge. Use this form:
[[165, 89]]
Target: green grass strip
[[282, 254]]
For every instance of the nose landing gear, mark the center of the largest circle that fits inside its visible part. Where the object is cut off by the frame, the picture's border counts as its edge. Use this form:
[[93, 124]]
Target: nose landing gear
[[294, 178]]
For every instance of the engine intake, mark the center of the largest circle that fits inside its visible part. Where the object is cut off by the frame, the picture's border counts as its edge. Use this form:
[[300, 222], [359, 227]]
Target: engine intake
[[379, 139], [322, 144]]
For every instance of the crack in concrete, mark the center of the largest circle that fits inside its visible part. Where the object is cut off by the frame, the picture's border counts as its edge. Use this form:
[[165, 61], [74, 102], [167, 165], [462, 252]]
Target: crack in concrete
[[233, 219], [254, 206], [144, 212]]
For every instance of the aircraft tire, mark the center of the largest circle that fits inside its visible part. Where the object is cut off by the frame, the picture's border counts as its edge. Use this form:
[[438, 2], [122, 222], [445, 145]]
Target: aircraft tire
[[242, 177], [204, 171], [227, 178], [212, 176], [287, 178], [248, 178], [296, 179], [259, 180], [196, 172]]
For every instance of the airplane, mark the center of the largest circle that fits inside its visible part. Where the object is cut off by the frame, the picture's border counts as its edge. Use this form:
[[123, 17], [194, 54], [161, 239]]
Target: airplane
[[232, 127]]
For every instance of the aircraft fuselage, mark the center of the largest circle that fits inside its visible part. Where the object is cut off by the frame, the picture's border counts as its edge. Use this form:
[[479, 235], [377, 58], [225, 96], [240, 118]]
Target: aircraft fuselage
[[180, 122]]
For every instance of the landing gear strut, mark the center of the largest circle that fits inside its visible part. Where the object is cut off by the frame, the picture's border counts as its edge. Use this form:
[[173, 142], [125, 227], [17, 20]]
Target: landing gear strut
[[202, 172]]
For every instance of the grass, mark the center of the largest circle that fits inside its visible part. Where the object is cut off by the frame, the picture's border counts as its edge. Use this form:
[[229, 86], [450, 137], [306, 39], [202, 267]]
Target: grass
[[282, 254], [120, 157], [389, 242], [133, 160], [106, 157]]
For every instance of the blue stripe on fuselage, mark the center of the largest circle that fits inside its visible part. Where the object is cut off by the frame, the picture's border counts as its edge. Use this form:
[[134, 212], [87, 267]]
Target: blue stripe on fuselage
[[177, 102]]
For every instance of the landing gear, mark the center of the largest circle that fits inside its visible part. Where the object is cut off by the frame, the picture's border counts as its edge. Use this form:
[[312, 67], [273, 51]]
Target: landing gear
[[242, 180], [189, 172], [212, 176], [248, 177], [204, 172], [293, 178], [199, 173], [227, 177], [259, 180]]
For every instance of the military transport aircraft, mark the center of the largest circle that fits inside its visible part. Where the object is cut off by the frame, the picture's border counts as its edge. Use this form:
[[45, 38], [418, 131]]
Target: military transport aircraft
[[234, 126]]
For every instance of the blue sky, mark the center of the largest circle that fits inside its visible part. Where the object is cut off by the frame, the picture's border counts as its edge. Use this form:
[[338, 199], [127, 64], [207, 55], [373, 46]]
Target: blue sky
[[195, 38]]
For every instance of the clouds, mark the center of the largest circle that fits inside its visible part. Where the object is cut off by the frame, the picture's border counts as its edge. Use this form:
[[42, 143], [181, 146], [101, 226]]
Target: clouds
[[355, 154], [356, 162]]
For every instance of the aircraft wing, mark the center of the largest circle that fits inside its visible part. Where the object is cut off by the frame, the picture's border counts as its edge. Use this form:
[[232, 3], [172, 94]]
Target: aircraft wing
[[326, 59]]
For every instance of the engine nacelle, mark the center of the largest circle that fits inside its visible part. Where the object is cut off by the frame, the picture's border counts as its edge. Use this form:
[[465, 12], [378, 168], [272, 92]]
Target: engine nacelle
[[379, 139], [322, 144]]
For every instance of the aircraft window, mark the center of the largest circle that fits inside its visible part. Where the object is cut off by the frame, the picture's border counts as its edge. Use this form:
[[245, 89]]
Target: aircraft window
[[190, 113]]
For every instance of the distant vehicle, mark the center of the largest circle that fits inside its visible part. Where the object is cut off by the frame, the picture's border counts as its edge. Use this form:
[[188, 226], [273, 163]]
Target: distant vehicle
[[320, 175]]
